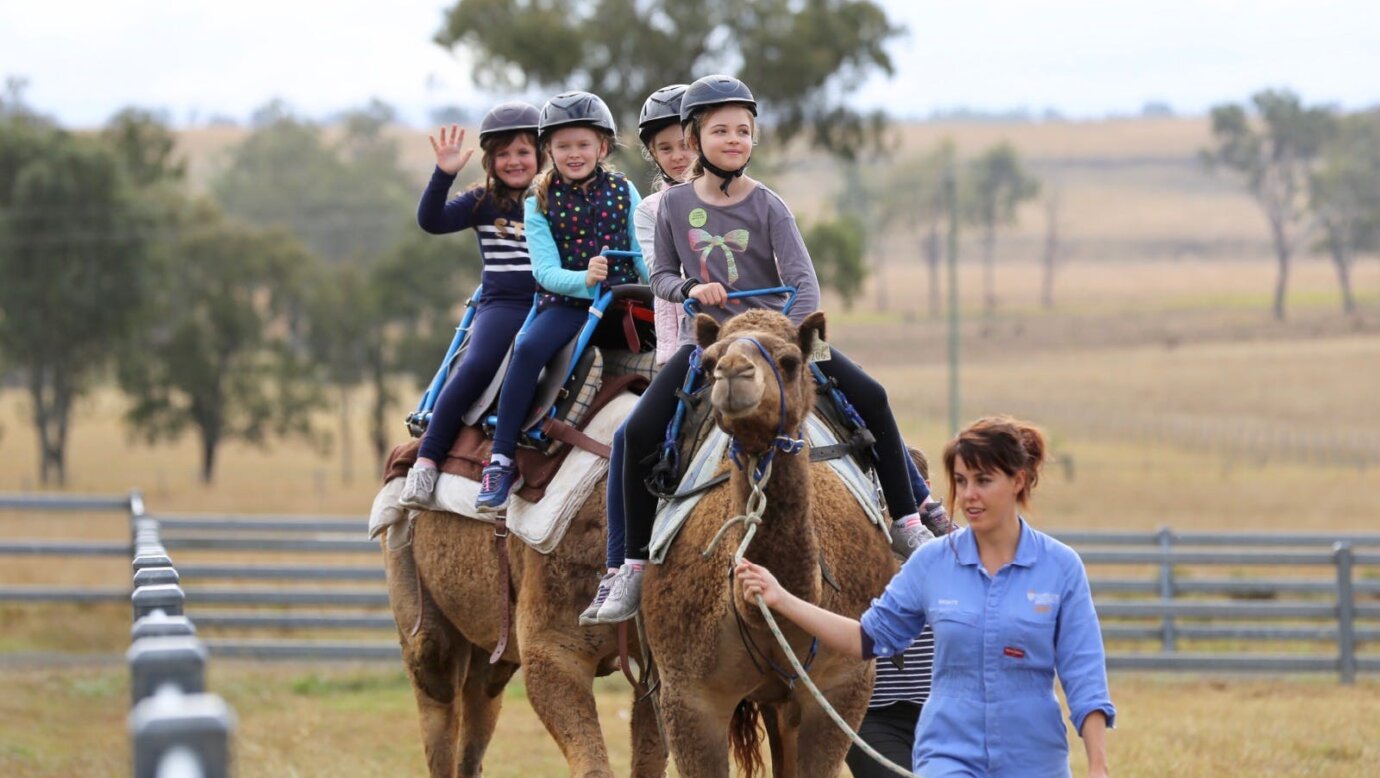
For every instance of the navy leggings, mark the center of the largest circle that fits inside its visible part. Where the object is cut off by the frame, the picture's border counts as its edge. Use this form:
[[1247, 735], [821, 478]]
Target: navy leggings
[[492, 330], [550, 330], [645, 430]]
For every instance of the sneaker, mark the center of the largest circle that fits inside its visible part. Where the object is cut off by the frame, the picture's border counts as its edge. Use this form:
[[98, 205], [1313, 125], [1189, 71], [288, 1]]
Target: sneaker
[[420, 489], [907, 537], [590, 614], [934, 516], [494, 486], [625, 596]]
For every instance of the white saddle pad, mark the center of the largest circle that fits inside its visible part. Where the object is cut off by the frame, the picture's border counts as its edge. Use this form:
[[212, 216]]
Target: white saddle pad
[[541, 525], [671, 515]]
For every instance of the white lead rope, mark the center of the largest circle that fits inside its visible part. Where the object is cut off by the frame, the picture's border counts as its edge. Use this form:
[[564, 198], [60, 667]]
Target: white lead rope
[[757, 503]]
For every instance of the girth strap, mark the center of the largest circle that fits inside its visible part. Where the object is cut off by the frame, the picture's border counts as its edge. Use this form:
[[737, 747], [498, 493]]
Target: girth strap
[[505, 587]]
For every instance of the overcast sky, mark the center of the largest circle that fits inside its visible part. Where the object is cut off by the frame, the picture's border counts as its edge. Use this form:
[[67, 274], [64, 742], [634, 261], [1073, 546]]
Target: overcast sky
[[1084, 58]]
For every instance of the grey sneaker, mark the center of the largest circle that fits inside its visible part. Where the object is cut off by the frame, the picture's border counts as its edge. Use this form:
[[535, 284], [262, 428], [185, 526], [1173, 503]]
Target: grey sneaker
[[625, 595], [420, 489], [905, 539], [590, 614], [936, 518]]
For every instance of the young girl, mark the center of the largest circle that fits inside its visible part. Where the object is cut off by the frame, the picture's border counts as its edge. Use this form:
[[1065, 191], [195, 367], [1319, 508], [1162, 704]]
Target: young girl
[[580, 209], [663, 144], [1010, 607], [722, 231], [508, 138]]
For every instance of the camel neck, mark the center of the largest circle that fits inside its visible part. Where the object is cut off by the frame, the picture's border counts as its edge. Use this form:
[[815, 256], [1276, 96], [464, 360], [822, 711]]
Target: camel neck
[[785, 541]]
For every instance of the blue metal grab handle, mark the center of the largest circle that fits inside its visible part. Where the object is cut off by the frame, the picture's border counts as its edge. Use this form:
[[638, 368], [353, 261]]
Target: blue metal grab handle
[[423, 413], [692, 305]]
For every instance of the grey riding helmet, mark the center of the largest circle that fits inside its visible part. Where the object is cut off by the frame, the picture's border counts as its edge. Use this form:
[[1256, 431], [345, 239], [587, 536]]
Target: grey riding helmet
[[509, 117], [715, 90], [661, 110], [575, 108]]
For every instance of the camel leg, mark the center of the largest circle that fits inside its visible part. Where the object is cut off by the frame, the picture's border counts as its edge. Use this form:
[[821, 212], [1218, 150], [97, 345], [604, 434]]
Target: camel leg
[[783, 736], [648, 749], [481, 698], [436, 675], [697, 731], [560, 686], [822, 744]]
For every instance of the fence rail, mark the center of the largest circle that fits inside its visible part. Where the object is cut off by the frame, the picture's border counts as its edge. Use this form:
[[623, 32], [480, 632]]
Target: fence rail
[[1255, 591]]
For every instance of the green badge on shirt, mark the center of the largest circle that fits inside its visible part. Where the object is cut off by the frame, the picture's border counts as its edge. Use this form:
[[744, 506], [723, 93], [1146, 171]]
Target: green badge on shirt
[[698, 217]]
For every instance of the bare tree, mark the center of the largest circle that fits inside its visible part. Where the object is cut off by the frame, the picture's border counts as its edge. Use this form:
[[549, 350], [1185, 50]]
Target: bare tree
[[1275, 151]]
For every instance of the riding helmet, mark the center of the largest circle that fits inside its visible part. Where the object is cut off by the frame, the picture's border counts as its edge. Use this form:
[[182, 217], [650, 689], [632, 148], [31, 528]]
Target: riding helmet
[[509, 117], [715, 90]]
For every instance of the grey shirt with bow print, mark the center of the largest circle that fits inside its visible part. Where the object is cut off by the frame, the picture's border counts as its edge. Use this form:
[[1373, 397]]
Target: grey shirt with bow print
[[751, 244]]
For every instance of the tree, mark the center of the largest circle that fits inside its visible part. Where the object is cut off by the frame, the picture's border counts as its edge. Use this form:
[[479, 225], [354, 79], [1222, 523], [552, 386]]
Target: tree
[[73, 252], [1050, 258], [801, 58], [837, 248], [145, 147], [1275, 152], [911, 192], [998, 184], [1345, 192], [215, 353], [341, 200]]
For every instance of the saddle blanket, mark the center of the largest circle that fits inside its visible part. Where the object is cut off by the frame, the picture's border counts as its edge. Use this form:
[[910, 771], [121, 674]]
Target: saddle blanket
[[710, 460], [540, 525]]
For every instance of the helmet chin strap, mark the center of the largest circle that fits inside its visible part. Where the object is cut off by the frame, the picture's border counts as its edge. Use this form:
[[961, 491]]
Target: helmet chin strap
[[726, 175]]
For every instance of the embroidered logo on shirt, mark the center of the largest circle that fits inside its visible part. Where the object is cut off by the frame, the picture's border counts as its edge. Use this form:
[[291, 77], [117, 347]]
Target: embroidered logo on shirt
[[1013, 652], [1043, 602], [947, 602]]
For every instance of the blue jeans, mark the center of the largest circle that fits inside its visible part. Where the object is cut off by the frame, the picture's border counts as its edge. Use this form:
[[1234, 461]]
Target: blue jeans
[[614, 554]]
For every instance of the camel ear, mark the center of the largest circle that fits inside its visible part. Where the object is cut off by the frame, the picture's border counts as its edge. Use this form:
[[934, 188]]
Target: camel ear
[[706, 330], [811, 337]]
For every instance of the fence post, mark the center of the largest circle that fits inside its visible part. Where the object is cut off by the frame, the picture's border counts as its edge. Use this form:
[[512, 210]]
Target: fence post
[[1346, 613], [1169, 637]]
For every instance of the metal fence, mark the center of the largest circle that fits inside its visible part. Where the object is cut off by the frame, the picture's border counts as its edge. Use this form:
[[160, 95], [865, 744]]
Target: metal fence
[[1288, 602]]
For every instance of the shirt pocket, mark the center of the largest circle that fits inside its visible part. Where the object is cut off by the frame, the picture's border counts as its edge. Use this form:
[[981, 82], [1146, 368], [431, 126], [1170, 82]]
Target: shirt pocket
[[957, 637], [1028, 641]]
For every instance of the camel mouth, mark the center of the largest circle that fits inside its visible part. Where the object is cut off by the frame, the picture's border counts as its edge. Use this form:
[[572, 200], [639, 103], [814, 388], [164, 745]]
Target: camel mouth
[[736, 396]]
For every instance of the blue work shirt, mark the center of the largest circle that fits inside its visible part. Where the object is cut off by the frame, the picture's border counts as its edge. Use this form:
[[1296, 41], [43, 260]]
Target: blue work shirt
[[998, 642]]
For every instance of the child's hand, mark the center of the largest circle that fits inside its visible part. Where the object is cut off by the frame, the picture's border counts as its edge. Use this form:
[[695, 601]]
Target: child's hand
[[449, 158], [758, 580], [598, 270], [710, 294]]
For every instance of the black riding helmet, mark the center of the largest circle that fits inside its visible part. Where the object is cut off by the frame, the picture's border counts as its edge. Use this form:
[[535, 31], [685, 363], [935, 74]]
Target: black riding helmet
[[661, 110], [575, 108], [709, 92], [509, 117], [715, 90]]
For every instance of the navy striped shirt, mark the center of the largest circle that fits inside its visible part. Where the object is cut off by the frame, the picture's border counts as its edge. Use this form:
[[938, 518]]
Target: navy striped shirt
[[502, 240], [911, 684]]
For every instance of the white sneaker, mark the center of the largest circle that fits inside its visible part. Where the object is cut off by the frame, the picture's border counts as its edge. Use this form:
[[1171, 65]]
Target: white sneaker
[[590, 614], [420, 489], [625, 595]]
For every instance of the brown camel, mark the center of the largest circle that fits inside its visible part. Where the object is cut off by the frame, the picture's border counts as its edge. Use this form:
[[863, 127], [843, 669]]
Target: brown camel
[[458, 692], [712, 684]]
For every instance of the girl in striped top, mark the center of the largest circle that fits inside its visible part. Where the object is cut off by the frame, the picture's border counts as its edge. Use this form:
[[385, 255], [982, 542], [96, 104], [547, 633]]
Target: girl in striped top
[[494, 210]]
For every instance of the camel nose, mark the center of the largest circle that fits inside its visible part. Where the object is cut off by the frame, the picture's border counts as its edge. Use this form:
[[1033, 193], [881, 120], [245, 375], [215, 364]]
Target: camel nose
[[734, 368]]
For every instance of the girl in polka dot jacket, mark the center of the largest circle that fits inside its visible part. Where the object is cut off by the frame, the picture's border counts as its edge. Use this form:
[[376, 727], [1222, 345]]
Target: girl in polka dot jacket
[[580, 210]]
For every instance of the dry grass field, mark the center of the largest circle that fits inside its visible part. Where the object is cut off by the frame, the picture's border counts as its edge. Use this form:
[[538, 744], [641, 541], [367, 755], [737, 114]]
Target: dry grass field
[[1170, 396]]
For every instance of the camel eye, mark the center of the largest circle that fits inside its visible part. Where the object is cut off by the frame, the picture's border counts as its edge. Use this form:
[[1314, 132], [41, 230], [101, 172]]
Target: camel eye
[[707, 363], [790, 364]]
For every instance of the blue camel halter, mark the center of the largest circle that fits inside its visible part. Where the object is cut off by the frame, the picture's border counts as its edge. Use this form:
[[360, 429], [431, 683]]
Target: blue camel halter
[[781, 442]]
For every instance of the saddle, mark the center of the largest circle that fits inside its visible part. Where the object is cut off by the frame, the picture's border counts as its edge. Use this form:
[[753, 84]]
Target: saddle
[[573, 386]]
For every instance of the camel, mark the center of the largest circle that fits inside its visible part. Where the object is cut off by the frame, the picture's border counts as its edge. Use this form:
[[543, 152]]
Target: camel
[[713, 690], [458, 691]]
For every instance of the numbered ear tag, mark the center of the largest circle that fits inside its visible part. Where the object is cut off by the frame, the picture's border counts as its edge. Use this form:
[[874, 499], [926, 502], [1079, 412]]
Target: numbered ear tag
[[819, 349]]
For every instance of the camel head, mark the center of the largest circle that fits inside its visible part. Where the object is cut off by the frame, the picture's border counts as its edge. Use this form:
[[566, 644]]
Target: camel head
[[744, 393]]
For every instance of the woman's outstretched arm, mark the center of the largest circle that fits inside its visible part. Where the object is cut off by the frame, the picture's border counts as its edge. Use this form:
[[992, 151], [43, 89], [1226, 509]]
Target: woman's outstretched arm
[[838, 633]]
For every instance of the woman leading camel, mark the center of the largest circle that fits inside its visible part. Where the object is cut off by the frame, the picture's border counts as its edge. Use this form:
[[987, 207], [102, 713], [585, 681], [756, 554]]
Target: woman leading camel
[[1010, 606]]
